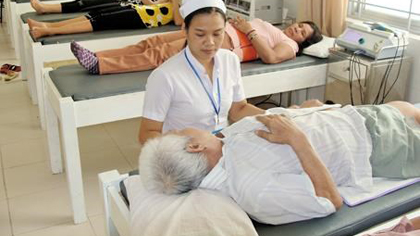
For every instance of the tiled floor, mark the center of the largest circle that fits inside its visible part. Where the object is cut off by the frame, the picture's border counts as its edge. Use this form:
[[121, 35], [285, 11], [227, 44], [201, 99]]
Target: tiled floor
[[33, 201]]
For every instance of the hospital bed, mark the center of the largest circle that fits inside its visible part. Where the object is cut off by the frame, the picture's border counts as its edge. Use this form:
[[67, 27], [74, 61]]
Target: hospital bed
[[73, 99], [55, 48], [346, 221], [14, 8]]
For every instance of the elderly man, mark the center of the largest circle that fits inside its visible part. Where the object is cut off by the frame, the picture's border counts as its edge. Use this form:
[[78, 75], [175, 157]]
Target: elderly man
[[289, 166]]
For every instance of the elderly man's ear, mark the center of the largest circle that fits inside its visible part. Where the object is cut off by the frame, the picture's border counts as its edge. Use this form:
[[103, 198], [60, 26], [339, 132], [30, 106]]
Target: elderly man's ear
[[195, 147]]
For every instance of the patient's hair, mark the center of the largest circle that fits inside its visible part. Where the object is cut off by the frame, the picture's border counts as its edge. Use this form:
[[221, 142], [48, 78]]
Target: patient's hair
[[166, 167], [315, 37]]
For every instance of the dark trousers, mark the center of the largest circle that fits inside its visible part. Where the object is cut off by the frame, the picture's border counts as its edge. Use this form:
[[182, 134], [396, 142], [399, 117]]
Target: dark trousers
[[87, 5]]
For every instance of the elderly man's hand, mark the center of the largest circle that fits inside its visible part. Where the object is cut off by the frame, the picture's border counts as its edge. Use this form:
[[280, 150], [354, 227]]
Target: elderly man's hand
[[241, 24], [281, 130]]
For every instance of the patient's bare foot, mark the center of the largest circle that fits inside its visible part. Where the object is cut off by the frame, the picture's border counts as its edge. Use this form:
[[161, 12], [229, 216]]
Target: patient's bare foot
[[33, 23], [39, 32], [38, 7]]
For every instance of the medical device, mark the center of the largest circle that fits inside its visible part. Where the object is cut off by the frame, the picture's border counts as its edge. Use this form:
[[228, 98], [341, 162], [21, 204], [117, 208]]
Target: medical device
[[375, 40], [268, 10]]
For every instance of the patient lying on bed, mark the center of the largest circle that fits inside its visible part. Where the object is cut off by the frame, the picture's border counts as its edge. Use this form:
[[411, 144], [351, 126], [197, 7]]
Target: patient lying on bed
[[249, 40], [289, 166]]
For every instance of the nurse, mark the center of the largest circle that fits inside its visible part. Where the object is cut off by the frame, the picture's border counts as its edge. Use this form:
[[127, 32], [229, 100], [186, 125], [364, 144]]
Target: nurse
[[201, 86]]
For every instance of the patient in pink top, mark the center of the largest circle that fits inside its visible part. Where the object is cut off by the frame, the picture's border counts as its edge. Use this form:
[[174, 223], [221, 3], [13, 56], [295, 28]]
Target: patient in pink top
[[249, 40], [405, 227]]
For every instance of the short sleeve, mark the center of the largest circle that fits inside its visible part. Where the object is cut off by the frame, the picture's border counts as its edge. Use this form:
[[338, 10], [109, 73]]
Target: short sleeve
[[238, 88], [286, 198], [158, 96]]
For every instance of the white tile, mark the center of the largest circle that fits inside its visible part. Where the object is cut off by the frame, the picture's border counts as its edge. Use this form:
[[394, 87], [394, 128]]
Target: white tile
[[17, 114], [40, 210], [131, 153], [30, 179], [5, 229], [20, 131], [13, 95], [7, 53], [67, 229], [24, 152], [124, 132], [108, 158], [2, 186], [98, 224], [93, 197], [94, 138]]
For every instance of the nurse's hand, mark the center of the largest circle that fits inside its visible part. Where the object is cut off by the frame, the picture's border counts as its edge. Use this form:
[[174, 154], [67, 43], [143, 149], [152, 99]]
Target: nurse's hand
[[282, 130], [241, 24]]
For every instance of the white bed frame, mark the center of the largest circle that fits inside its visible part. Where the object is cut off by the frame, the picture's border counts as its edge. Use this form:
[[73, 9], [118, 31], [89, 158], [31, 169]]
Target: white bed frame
[[66, 115], [117, 214], [34, 55]]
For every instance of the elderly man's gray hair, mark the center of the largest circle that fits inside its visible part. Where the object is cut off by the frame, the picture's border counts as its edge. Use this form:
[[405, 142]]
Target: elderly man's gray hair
[[166, 167]]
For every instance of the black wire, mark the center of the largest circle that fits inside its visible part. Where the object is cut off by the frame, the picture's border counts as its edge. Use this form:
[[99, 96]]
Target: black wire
[[351, 78], [358, 72], [392, 65], [399, 70], [264, 101], [376, 101], [384, 81]]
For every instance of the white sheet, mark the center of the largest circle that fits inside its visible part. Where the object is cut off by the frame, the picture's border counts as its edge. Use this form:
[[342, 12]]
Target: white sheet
[[380, 187], [199, 212]]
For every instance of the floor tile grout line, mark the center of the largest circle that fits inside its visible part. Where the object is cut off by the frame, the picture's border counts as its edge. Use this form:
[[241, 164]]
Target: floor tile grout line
[[6, 194], [119, 148]]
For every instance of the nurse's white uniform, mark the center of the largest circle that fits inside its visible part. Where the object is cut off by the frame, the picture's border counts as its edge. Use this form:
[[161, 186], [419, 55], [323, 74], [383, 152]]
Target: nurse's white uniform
[[176, 97]]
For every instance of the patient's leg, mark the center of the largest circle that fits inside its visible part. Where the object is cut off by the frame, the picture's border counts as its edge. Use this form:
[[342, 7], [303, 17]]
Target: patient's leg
[[141, 46], [33, 23], [42, 8], [85, 57], [407, 109], [73, 28], [149, 59]]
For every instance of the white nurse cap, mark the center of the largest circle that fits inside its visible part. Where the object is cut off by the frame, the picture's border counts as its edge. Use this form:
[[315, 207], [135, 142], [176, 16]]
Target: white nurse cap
[[190, 6]]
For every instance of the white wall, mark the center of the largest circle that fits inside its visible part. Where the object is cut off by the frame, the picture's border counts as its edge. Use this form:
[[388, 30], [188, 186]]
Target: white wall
[[292, 5]]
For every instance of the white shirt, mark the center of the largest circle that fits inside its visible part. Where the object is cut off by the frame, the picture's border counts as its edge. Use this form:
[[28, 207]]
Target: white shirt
[[267, 180], [175, 96]]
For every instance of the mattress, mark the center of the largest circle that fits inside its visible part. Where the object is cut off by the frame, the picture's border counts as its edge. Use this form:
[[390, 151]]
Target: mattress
[[347, 220], [74, 81], [49, 17], [91, 35]]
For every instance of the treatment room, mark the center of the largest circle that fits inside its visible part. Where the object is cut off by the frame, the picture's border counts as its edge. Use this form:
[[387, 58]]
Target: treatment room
[[209, 117]]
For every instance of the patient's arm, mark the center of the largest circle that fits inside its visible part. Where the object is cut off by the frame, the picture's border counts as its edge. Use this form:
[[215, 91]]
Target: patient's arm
[[241, 109], [282, 130], [149, 129], [280, 52], [177, 15]]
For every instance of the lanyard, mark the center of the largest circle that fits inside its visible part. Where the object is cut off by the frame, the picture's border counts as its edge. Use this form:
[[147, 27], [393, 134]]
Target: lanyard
[[216, 108]]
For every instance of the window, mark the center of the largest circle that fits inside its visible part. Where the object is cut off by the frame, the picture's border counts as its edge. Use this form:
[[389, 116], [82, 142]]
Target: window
[[404, 14]]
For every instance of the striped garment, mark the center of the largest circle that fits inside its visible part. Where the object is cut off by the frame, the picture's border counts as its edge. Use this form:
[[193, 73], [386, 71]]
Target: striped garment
[[267, 180]]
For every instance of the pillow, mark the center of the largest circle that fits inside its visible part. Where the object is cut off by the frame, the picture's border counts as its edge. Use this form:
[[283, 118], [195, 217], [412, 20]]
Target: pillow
[[198, 212], [320, 49]]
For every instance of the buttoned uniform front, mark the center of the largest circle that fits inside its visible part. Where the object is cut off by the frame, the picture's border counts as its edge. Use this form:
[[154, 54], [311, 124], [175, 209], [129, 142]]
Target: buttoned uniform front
[[176, 97], [267, 180]]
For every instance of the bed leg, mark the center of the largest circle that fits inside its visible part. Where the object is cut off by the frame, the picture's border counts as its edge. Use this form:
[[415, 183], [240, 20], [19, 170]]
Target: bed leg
[[27, 69], [106, 180], [53, 137], [72, 160], [38, 64]]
